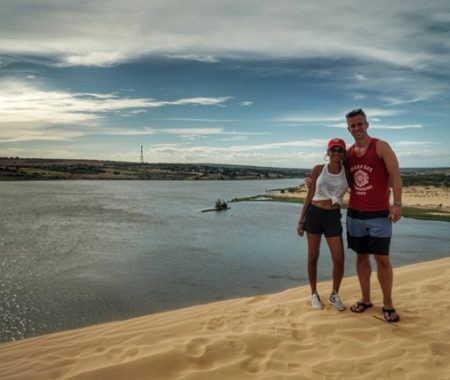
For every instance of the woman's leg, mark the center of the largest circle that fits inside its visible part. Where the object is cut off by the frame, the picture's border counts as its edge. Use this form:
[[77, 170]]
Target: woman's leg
[[313, 258], [336, 246]]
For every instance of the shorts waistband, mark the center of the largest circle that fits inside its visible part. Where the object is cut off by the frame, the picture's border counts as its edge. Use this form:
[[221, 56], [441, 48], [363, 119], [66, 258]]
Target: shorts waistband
[[367, 214], [326, 209]]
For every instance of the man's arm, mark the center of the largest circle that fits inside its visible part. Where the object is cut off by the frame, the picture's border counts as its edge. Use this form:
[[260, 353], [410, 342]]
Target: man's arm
[[385, 152]]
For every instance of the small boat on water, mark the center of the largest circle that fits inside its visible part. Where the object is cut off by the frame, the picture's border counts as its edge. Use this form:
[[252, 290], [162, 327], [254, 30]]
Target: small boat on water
[[221, 205]]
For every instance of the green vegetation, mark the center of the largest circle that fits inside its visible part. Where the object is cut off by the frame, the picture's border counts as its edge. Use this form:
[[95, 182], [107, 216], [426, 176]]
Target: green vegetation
[[408, 212], [426, 214], [432, 179]]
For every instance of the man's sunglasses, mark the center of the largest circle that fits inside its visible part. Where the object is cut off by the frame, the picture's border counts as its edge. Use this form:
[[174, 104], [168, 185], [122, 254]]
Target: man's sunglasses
[[354, 113], [337, 150]]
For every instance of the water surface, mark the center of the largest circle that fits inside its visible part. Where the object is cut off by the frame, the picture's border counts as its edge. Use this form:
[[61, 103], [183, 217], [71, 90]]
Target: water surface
[[84, 252]]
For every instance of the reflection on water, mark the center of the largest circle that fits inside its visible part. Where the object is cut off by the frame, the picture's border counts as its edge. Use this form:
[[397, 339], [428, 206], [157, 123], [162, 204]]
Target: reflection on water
[[78, 253]]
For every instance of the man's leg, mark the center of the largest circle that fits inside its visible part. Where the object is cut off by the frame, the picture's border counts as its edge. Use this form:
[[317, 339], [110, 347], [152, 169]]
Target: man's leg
[[358, 240], [364, 270], [385, 277]]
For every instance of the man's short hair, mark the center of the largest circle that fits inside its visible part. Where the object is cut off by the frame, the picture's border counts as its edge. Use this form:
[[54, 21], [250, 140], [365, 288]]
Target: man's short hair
[[356, 112]]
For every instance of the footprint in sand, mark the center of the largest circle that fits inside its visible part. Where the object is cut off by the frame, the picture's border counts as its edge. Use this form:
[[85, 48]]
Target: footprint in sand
[[196, 347], [299, 335], [236, 343], [132, 352], [114, 355], [215, 323], [254, 364], [278, 311], [442, 349], [239, 325], [396, 373], [432, 288], [257, 299]]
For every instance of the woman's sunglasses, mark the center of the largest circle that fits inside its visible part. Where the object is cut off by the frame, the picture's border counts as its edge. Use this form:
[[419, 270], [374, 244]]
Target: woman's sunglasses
[[337, 150]]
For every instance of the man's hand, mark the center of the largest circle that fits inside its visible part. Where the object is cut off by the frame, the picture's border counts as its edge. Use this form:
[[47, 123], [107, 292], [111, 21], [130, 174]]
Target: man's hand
[[396, 213]]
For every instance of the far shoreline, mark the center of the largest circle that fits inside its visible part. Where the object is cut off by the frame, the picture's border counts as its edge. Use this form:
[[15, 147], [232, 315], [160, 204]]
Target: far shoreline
[[419, 202]]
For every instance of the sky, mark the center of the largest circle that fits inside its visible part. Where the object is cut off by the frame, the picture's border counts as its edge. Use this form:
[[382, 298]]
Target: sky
[[251, 82]]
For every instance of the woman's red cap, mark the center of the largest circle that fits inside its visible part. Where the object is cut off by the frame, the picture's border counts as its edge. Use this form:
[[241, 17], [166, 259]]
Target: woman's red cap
[[337, 142]]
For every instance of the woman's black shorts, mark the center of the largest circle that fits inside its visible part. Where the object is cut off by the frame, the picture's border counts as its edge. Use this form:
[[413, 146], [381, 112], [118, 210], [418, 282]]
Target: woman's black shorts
[[323, 221]]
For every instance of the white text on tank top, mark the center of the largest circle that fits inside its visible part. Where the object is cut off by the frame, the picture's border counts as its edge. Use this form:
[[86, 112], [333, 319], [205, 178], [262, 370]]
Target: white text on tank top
[[331, 186]]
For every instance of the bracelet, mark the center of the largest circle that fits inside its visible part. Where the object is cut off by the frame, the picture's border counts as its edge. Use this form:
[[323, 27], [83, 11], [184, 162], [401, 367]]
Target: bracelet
[[398, 203]]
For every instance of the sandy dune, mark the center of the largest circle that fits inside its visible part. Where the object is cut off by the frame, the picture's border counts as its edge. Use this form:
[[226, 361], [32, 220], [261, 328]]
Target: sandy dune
[[274, 336], [417, 196], [427, 196]]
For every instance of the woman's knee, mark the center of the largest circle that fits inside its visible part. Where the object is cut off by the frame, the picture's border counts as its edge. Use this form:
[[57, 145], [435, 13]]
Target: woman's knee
[[313, 257]]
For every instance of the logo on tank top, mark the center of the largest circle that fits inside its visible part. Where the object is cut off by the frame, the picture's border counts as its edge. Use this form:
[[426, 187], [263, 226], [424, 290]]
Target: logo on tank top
[[361, 178]]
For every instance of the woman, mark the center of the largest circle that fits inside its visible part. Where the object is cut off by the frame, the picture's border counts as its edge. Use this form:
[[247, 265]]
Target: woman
[[321, 214]]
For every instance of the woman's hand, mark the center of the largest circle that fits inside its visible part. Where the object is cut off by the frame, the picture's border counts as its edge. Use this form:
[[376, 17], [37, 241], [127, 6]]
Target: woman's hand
[[308, 181], [301, 228]]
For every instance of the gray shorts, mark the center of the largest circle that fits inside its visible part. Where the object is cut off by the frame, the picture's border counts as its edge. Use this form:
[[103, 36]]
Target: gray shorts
[[369, 232]]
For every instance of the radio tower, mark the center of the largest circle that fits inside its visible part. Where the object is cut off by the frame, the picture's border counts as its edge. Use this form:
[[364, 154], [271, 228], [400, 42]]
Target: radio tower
[[142, 155]]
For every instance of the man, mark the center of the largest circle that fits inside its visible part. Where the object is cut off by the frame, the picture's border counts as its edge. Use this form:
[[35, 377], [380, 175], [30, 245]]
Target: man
[[372, 164]]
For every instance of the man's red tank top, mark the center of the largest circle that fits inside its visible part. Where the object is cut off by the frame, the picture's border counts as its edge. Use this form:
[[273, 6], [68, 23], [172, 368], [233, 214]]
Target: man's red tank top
[[370, 190]]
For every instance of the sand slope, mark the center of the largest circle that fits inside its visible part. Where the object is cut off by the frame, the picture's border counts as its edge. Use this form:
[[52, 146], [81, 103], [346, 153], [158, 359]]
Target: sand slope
[[416, 196], [264, 337]]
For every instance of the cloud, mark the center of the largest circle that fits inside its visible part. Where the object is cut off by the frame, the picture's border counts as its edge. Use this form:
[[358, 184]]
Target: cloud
[[201, 120], [396, 101], [361, 77], [325, 120], [406, 126], [295, 120], [234, 138], [25, 102], [124, 131], [181, 132], [96, 58], [415, 143], [192, 131], [22, 132], [258, 154], [194, 57], [311, 143], [106, 32], [200, 132], [29, 112], [381, 126]]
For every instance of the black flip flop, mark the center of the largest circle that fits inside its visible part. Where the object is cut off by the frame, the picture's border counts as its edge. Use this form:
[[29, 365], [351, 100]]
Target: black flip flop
[[360, 306], [389, 312]]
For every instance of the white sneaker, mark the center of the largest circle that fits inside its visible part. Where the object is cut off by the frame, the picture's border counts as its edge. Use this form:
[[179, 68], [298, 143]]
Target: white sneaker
[[316, 303], [335, 300]]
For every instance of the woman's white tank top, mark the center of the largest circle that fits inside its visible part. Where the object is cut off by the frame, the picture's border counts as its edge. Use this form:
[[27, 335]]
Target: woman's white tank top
[[331, 186]]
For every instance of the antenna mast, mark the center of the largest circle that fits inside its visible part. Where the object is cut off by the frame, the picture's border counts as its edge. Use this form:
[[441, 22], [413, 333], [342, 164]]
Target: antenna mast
[[142, 155]]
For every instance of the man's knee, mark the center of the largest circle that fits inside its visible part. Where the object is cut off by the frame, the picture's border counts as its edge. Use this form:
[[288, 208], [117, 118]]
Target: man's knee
[[383, 261], [363, 258]]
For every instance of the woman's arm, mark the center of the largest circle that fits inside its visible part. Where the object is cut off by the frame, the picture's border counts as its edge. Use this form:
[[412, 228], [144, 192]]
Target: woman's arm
[[315, 172]]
